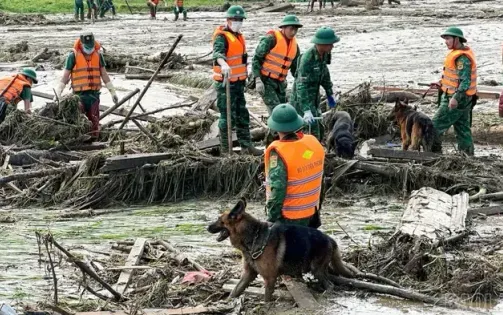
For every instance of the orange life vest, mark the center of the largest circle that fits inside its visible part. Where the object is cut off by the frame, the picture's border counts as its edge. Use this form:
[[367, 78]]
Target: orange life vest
[[235, 56], [450, 78], [179, 3], [156, 2], [304, 160], [278, 61], [86, 73], [12, 94]]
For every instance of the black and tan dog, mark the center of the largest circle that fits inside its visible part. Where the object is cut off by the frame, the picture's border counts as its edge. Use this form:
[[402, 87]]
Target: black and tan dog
[[416, 129], [279, 249], [341, 139]]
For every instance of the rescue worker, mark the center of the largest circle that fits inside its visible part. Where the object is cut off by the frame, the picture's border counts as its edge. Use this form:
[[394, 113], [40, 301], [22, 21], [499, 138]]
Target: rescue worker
[[152, 4], [294, 171], [92, 9], [229, 65], [15, 88], [312, 72], [79, 10], [276, 53], [179, 9], [457, 93], [85, 67], [106, 5]]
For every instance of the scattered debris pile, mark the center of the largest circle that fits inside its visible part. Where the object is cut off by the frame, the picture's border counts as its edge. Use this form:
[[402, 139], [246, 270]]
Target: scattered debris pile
[[13, 19]]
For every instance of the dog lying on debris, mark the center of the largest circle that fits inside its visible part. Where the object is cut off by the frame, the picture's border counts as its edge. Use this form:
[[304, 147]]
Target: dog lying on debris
[[341, 139], [416, 129], [279, 249]]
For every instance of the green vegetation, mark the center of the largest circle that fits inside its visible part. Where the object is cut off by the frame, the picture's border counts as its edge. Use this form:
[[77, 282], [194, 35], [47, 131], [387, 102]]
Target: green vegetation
[[371, 227], [67, 6]]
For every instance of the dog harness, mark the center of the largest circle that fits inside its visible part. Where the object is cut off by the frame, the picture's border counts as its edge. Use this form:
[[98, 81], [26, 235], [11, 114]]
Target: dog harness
[[86, 75], [304, 159], [235, 56], [279, 59], [450, 77]]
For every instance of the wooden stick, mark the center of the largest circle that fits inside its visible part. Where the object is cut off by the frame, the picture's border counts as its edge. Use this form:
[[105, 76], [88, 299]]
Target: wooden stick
[[41, 173], [161, 65], [55, 280], [122, 101], [140, 68], [180, 257], [229, 115], [145, 132]]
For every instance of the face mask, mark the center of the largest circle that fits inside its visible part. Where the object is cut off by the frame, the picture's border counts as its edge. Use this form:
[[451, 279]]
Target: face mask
[[236, 26], [87, 51]]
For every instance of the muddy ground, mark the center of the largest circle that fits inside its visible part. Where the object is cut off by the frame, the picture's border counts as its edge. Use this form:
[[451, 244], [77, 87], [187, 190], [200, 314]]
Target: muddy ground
[[397, 45]]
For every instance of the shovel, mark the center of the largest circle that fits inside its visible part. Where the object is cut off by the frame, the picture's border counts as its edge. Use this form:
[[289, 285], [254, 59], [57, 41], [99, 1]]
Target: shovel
[[229, 116]]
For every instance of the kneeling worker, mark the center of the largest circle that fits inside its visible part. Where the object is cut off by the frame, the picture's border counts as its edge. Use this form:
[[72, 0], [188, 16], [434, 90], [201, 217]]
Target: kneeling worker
[[294, 171], [15, 88]]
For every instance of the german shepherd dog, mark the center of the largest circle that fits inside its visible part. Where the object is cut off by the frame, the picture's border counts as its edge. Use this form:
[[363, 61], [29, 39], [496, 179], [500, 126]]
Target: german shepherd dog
[[416, 129], [341, 138], [277, 249]]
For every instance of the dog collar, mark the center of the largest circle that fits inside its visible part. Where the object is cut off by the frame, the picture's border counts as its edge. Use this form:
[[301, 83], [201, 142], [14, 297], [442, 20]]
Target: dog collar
[[256, 254]]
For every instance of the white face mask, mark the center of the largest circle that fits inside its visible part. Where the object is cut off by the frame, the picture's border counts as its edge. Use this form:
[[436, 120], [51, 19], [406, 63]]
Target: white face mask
[[87, 51], [236, 26]]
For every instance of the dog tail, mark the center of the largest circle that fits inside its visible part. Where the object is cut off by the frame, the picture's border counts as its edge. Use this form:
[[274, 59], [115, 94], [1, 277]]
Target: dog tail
[[428, 133], [337, 264]]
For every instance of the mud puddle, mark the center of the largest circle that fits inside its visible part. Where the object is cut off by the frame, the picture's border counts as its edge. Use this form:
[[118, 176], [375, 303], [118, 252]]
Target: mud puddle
[[352, 222]]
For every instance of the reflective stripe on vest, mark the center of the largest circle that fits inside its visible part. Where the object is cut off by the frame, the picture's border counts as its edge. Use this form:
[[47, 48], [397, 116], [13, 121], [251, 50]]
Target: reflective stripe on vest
[[235, 54], [304, 160], [86, 74], [450, 78], [12, 94], [279, 60]]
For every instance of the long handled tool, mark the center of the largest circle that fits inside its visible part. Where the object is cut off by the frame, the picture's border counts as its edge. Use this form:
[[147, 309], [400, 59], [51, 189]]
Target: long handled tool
[[229, 115]]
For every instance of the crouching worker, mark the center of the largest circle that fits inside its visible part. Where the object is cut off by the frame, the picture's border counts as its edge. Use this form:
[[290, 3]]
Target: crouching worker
[[15, 88], [85, 67], [294, 171]]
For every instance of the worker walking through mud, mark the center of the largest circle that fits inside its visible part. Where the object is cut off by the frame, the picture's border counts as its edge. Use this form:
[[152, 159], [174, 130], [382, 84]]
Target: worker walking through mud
[[312, 72], [79, 10], [16, 88], [229, 67], [294, 171], [85, 67], [92, 9], [152, 5], [457, 93], [178, 8], [276, 53]]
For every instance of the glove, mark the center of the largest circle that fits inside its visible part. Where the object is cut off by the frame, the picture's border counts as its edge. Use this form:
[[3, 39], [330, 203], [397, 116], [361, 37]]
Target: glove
[[308, 117], [226, 70], [59, 90], [111, 88], [177, 10], [259, 86], [501, 105], [332, 100]]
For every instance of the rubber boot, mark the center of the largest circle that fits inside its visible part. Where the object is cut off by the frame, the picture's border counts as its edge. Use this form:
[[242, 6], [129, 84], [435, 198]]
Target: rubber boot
[[251, 150], [82, 15], [184, 15], [76, 17], [95, 11], [88, 13], [176, 17]]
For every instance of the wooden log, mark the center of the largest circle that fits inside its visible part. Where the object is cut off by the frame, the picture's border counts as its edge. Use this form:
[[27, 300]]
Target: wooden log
[[494, 210], [492, 196], [406, 155], [171, 311], [119, 103], [491, 93], [146, 76], [301, 294], [27, 157], [138, 68], [42, 95], [434, 214], [277, 8], [132, 260], [40, 173], [180, 257], [122, 162], [204, 103], [81, 147], [215, 142], [122, 112]]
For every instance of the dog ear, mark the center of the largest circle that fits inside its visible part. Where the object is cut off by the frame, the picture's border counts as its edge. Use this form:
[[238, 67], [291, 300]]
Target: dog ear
[[238, 210]]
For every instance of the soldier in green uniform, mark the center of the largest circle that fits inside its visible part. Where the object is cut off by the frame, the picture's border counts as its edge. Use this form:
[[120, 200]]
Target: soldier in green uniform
[[457, 92], [229, 67], [284, 120], [312, 72], [79, 10], [16, 88]]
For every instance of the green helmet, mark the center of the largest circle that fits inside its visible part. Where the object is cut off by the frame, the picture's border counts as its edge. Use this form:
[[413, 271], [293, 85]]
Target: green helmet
[[325, 36], [455, 32], [30, 73], [290, 20], [284, 118], [236, 11], [87, 39]]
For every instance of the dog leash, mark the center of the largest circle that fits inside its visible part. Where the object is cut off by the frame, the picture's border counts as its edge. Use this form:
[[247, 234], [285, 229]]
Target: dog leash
[[256, 254]]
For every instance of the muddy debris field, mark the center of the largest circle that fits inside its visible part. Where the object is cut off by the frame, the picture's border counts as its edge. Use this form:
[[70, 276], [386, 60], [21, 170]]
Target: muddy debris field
[[120, 224]]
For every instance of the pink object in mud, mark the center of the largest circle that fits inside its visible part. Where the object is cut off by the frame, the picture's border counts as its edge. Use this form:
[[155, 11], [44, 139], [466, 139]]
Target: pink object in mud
[[193, 277]]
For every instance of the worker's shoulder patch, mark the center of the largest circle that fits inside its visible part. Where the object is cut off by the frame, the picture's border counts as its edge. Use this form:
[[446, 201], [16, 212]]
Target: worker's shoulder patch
[[460, 65], [273, 161]]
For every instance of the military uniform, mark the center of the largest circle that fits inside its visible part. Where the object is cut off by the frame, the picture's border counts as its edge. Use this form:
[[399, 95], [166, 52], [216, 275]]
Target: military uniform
[[463, 91], [178, 8], [16, 88], [79, 9], [293, 191], [312, 72], [275, 86], [229, 47]]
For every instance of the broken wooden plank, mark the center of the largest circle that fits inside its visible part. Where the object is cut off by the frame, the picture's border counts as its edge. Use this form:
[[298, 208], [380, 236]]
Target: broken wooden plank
[[171, 311], [132, 260], [258, 292], [434, 214], [147, 76], [494, 210], [123, 112], [204, 103], [406, 155], [129, 161], [277, 8], [215, 142], [484, 92], [301, 294]]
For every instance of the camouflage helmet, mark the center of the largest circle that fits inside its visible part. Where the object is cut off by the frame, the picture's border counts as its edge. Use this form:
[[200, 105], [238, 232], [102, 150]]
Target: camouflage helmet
[[30, 73], [236, 11], [454, 32], [325, 36], [290, 20], [284, 118]]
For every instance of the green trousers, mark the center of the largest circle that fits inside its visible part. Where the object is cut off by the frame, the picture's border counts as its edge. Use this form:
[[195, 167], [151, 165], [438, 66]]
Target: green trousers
[[182, 10]]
